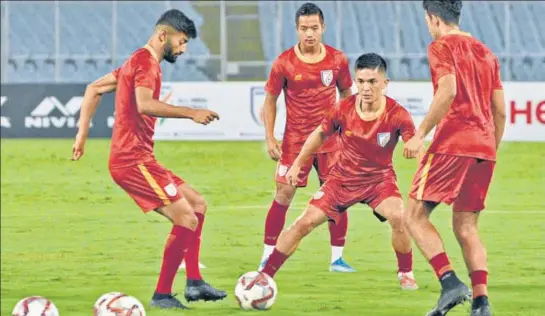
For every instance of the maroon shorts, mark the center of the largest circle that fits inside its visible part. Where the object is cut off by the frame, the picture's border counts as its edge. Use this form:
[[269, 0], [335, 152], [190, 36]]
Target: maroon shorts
[[322, 162], [334, 198], [449, 179], [149, 184]]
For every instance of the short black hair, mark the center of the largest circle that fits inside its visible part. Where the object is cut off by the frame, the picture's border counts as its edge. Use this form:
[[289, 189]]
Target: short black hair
[[447, 10], [179, 21], [309, 9], [371, 61]]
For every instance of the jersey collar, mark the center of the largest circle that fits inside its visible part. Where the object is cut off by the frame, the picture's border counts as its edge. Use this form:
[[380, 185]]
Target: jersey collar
[[370, 116], [310, 60]]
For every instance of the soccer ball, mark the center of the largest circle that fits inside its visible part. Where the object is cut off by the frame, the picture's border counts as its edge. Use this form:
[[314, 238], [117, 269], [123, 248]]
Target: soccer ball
[[255, 290], [35, 306], [118, 304]]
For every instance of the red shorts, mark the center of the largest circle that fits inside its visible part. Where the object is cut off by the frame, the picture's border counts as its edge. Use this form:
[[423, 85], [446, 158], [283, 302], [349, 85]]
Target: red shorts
[[149, 184], [334, 198], [447, 179], [322, 162]]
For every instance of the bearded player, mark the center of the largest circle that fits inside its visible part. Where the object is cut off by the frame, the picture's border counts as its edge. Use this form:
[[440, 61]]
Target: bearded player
[[468, 109], [370, 125], [309, 74], [132, 163]]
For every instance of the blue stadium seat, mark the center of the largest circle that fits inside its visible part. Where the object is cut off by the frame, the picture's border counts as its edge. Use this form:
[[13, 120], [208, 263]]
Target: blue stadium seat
[[85, 38], [86, 32]]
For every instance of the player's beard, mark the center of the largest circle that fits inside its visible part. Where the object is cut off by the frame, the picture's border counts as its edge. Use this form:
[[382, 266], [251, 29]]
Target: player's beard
[[169, 55]]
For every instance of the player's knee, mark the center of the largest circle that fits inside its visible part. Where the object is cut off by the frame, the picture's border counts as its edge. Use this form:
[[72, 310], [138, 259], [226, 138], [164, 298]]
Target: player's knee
[[397, 220], [304, 226], [186, 219], [284, 194], [465, 232], [200, 205]]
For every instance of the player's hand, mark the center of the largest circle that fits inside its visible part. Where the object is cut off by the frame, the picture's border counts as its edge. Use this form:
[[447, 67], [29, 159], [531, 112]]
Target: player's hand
[[413, 147], [205, 117], [78, 148], [274, 149], [293, 175]]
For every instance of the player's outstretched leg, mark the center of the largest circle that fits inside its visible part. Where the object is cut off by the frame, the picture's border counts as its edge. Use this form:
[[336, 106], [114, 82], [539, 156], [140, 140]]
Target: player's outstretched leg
[[337, 233], [196, 288], [290, 239], [392, 210], [276, 218], [465, 229], [428, 240], [184, 221]]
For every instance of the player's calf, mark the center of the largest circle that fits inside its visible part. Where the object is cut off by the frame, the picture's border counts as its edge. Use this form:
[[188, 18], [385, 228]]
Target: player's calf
[[290, 239], [392, 210], [276, 218]]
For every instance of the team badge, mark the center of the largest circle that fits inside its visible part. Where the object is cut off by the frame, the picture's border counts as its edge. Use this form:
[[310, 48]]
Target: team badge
[[327, 77], [383, 139], [282, 170], [170, 190]]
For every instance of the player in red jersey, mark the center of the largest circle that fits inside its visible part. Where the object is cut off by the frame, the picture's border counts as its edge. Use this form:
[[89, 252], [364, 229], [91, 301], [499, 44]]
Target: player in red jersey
[[309, 74], [469, 110], [369, 124], [132, 163]]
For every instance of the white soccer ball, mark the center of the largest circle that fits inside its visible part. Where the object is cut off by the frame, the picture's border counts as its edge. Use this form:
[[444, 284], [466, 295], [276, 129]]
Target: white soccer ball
[[35, 306], [256, 293], [118, 304]]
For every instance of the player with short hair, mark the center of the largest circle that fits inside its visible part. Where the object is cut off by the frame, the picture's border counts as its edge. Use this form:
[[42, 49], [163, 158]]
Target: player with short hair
[[369, 124], [468, 109], [132, 163], [309, 74]]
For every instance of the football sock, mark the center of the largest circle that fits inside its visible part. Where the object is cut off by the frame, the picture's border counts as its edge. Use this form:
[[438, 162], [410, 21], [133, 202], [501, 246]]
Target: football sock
[[276, 260], [337, 233], [404, 261], [444, 271], [192, 256], [336, 253], [479, 283], [276, 218], [176, 245], [267, 250]]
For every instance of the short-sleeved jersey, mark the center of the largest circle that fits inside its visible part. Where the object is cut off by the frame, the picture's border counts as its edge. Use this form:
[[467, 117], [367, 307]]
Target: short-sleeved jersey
[[132, 139], [367, 146], [468, 127], [310, 91]]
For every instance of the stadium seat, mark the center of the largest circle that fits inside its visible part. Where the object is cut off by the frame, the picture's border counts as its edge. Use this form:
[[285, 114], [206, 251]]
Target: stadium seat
[[86, 34]]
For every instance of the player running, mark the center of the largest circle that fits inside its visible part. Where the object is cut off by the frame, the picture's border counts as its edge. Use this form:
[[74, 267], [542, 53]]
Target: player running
[[469, 110], [369, 124], [132, 163], [309, 74]]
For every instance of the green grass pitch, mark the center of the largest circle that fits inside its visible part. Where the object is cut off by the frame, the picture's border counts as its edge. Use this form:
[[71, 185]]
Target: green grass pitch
[[70, 234]]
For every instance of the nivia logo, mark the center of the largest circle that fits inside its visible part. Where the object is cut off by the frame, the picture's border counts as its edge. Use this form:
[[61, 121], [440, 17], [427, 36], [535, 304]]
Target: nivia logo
[[4, 121], [43, 115]]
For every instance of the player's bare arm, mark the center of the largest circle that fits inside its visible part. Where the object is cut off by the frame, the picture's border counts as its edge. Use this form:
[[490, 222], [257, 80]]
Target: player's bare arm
[[269, 118], [91, 100], [316, 139], [147, 105], [498, 114], [446, 92]]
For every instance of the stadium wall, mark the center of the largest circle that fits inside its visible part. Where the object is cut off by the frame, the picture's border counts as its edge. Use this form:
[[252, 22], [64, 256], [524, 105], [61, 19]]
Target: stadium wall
[[52, 110]]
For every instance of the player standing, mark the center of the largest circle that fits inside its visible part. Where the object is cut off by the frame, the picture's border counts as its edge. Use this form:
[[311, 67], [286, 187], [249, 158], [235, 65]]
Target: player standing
[[369, 124], [469, 110], [309, 74], [132, 163]]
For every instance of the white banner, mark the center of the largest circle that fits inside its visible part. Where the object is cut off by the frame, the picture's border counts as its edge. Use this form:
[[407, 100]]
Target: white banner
[[239, 106]]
